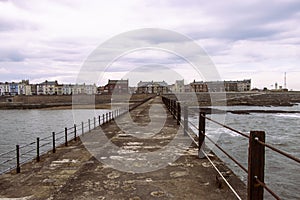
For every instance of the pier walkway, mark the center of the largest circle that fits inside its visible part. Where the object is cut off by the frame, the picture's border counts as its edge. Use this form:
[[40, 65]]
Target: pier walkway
[[73, 172]]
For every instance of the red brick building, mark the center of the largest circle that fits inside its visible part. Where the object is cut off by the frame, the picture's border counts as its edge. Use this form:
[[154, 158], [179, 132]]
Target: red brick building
[[116, 87]]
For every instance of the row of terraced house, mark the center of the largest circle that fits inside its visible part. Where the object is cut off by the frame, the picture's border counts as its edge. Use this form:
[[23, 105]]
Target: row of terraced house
[[121, 87], [45, 88], [195, 86]]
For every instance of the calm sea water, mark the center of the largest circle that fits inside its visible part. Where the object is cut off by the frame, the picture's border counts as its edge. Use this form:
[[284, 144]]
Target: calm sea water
[[282, 175], [282, 131]]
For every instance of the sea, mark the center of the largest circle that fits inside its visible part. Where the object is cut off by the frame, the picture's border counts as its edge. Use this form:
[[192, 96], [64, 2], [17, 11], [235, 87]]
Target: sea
[[282, 175], [22, 127]]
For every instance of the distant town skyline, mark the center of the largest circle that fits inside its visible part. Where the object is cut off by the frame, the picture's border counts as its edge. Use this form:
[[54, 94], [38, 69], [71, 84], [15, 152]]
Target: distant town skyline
[[24, 87], [135, 83], [50, 40]]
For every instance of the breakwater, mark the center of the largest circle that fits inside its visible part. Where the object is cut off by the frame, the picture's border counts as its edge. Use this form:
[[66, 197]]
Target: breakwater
[[66, 101], [72, 172], [242, 98], [204, 99], [130, 145]]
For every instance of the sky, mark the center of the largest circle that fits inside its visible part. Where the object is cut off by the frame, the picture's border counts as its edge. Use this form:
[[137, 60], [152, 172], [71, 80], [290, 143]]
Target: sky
[[250, 39]]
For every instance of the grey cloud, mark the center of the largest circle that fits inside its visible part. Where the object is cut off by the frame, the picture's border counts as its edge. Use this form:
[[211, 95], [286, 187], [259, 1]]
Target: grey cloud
[[12, 55], [168, 60], [238, 20], [163, 37], [221, 23], [16, 25]]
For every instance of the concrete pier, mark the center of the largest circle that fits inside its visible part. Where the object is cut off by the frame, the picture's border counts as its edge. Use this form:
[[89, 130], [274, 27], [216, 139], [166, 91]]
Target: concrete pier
[[73, 172]]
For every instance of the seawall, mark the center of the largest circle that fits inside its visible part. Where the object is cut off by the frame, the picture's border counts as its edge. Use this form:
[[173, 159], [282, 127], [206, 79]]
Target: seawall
[[242, 98], [66, 101]]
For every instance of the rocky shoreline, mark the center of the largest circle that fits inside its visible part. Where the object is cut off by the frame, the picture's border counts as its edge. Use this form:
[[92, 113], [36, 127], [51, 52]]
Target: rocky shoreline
[[240, 98], [204, 99], [245, 112], [66, 101], [241, 112]]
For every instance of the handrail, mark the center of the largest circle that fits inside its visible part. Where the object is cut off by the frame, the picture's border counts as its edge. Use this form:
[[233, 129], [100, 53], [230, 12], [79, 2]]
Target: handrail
[[60, 140], [229, 128], [262, 143], [80, 129], [26, 145], [215, 167], [174, 108], [227, 154], [219, 147], [46, 138], [278, 151], [227, 183], [267, 188], [8, 152]]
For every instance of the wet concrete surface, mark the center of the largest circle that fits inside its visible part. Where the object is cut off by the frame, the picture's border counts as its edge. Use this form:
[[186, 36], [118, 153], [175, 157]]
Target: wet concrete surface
[[119, 160]]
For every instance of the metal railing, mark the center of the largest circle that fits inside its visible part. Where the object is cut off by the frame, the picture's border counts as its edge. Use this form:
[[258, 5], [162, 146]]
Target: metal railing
[[256, 149], [13, 159]]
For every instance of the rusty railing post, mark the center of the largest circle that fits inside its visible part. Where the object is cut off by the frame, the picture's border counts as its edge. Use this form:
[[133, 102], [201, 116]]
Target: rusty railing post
[[256, 165], [75, 132], [99, 120], [18, 169], [94, 122], [201, 134], [66, 136], [89, 125], [37, 149], [53, 142], [185, 120], [82, 128], [178, 113], [174, 109], [106, 117]]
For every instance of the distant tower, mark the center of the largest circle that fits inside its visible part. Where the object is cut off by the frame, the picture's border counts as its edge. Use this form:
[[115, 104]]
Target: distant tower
[[276, 86], [284, 80]]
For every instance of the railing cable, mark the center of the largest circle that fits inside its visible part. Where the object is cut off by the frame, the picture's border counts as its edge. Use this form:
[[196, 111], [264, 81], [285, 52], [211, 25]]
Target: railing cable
[[220, 173], [8, 152], [225, 126], [232, 158], [278, 151], [227, 183], [267, 188]]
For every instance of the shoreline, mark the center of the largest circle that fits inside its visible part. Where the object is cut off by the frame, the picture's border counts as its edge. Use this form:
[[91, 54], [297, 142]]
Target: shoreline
[[66, 102], [56, 102]]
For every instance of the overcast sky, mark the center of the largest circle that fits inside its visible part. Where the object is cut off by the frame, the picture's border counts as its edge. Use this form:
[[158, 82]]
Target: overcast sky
[[50, 40]]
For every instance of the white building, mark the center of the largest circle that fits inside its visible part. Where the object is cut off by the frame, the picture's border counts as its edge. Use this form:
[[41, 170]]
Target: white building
[[84, 89], [59, 89], [90, 89], [12, 88], [4, 89], [24, 88], [179, 86], [47, 88], [67, 89], [244, 85]]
